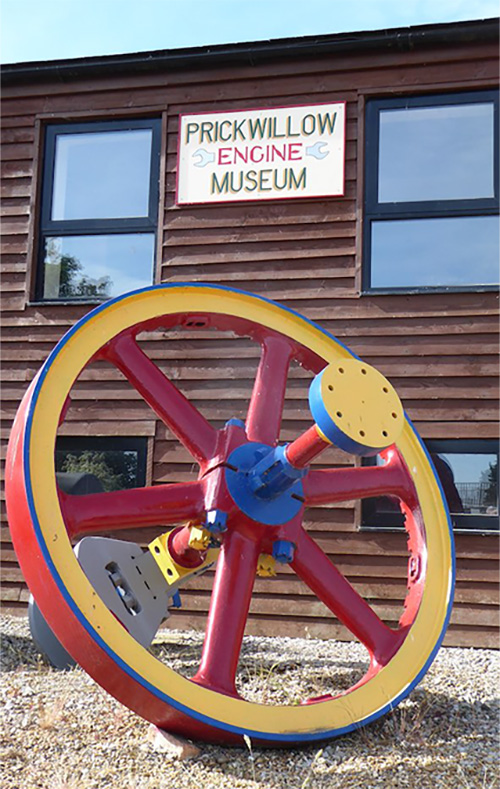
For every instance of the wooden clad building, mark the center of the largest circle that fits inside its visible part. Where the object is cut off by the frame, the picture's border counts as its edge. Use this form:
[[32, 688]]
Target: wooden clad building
[[400, 263]]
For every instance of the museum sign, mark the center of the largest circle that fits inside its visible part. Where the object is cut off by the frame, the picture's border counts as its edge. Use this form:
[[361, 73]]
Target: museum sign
[[261, 154]]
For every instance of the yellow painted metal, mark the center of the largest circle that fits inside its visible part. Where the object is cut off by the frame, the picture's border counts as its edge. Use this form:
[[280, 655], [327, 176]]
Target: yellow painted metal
[[322, 435], [362, 403], [172, 571], [266, 566], [199, 538]]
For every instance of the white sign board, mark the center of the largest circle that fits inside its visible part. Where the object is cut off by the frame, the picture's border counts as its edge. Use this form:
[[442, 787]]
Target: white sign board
[[263, 154]]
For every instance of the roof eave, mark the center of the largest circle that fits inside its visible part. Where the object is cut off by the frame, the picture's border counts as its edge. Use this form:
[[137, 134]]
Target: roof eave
[[251, 53]]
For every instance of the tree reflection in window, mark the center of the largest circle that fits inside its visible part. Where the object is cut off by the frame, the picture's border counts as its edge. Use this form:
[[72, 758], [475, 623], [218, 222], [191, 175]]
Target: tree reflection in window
[[64, 277], [115, 470], [118, 462]]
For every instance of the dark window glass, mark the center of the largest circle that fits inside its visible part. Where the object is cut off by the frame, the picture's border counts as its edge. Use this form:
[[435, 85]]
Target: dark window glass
[[475, 482], [102, 175], [89, 267], [99, 209], [468, 472], [117, 463], [431, 193], [410, 252], [436, 153]]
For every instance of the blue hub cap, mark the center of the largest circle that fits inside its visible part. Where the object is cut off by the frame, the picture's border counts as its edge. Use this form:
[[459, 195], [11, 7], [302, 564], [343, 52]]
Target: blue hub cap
[[263, 485]]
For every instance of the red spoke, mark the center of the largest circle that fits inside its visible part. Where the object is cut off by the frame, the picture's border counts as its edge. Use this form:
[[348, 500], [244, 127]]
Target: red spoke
[[170, 405], [268, 396], [229, 606], [329, 486], [314, 567], [137, 507]]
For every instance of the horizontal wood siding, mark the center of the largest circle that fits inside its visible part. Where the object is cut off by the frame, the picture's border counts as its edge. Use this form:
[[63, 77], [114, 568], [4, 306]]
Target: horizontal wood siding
[[439, 350]]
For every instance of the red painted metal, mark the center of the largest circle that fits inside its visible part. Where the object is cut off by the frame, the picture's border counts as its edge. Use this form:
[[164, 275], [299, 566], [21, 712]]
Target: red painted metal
[[170, 405], [305, 448], [229, 606], [263, 421], [228, 438], [417, 561], [122, 509], [328, 486], [329, 585], [180, 550], [65, 409]]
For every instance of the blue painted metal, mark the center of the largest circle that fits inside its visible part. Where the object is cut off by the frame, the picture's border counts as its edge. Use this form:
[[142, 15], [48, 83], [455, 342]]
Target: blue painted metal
[[216, 521], [273, 474], [176, 600], [235, 422], [283, 551], [273, 511]]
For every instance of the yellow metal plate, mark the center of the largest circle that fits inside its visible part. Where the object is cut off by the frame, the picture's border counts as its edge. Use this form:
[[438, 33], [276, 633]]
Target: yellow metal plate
[[362, 403]]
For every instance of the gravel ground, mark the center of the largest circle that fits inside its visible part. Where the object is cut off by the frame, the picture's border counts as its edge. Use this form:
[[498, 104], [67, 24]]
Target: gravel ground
[[59, 730]]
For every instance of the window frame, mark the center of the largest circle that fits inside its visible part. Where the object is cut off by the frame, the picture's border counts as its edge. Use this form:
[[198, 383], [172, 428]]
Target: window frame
[[373, 210], [48, 227], [137, 444], [466, 446]]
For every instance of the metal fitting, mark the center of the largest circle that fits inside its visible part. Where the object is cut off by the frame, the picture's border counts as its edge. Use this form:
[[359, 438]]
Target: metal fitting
[[273, 474], [283, 551], [234, 422], [199, 538], [171, 570], [216, 521], [266, 566]]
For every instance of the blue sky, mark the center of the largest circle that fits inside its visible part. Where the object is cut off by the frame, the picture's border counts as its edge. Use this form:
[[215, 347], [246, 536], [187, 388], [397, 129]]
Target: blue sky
[[55, 29]]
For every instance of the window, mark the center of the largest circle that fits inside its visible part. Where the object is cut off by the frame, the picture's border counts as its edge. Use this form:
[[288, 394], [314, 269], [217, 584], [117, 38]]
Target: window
[[117, 462], [431, 198], [468, 472], [99, 209]]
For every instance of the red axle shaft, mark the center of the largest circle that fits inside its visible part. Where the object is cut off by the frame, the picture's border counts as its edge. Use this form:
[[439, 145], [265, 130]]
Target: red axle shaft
[[306, 447]]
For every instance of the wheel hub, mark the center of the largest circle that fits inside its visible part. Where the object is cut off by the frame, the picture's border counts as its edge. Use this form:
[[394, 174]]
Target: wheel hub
[[274, 501]]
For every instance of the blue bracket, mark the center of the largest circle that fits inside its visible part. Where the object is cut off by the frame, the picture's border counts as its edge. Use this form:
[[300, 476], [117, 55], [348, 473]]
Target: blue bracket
[[283, 551], [272, 475]]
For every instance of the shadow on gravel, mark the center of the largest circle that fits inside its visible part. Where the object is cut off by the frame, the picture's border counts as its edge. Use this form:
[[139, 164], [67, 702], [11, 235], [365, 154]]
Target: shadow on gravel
[[427, 717], [424, 718], [430, 741], [268, 677], [19, 652], [424, 714]]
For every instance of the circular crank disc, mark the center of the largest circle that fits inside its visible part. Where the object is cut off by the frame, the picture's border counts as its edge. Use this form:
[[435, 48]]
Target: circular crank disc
[[95, 638]]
